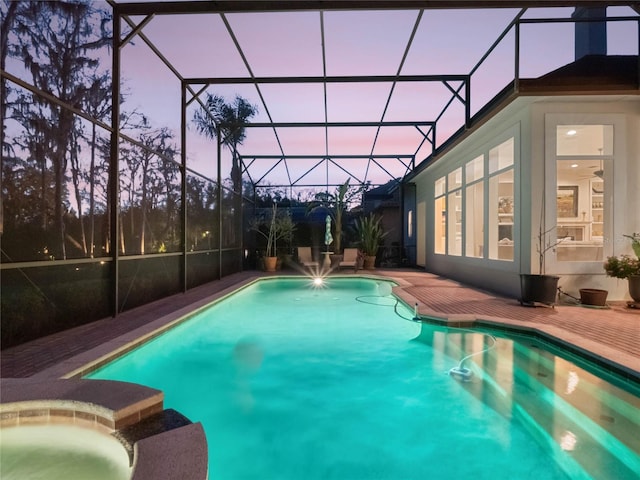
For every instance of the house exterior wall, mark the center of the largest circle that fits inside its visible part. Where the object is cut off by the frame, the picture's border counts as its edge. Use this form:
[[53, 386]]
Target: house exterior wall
[[621, 181], [531, 121]]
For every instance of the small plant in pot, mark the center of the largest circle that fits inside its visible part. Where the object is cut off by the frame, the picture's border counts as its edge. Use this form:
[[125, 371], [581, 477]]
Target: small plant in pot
[[272, 228], [626, 266], [370, 235], [540, 288]]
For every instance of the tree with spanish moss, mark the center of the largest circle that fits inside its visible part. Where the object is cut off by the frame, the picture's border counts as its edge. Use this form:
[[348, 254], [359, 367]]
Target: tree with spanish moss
[[59, 43]]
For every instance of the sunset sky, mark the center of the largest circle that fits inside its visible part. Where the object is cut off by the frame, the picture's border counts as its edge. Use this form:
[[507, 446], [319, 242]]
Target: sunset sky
[[357, 43]]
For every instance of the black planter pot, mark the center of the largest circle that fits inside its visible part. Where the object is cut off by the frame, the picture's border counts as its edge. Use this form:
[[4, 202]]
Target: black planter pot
[[538, 289], [634, 287]]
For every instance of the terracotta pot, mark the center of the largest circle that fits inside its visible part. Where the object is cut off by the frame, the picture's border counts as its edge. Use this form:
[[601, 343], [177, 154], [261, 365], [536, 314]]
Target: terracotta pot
[[593, 296], [634, 287], [369, 262], [270, 264]]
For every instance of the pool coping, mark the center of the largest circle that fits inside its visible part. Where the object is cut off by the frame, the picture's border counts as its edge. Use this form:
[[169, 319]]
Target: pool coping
[[90, 360], [610, 359]]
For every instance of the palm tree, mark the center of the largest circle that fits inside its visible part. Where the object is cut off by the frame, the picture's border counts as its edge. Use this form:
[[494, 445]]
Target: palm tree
[[228, 120]]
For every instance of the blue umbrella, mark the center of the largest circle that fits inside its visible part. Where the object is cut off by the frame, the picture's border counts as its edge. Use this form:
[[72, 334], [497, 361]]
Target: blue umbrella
[[327, 233]]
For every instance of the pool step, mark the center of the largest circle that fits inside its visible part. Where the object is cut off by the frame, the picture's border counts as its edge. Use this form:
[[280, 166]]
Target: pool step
[[615, 406], [152, 425], [572, 437]]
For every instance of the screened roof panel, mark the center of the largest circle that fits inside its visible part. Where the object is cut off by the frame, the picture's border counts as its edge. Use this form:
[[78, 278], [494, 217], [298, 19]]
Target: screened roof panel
[[272, 50], [366, 43], [351, 140], [356, 102], [343, 168], [453, 41], [301, 47], [149, 88], [304, 103], [307, 171], [381, 171], [418, 101], [261, 140], [300, 140], [535, 61], [259, 168], [393, 140], [245, 90], [196, 45]]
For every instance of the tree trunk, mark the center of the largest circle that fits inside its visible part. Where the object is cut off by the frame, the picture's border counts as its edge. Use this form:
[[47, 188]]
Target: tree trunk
[[59, 219], [122, 250], [92, 202], [236, 178], [75, 175]]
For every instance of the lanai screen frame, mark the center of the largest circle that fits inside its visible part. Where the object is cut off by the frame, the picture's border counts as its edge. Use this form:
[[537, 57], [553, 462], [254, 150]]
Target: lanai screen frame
[[188, 95], [122, 10]]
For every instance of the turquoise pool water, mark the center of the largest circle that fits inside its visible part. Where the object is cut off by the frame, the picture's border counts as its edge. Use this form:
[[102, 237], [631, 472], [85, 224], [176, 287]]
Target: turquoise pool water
[[296, 382]]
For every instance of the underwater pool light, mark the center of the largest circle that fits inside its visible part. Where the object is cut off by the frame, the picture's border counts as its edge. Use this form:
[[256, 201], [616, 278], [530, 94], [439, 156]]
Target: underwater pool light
[[317, 281]]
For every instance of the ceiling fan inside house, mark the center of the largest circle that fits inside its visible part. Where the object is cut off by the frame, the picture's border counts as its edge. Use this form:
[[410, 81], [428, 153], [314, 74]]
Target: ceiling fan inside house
[[597, 171]]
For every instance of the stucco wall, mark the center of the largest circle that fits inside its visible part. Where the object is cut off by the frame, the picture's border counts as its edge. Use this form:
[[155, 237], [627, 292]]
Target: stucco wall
[[535, 172]]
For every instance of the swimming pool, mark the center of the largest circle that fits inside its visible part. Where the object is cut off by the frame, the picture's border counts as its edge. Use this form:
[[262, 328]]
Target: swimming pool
[[292, 381]]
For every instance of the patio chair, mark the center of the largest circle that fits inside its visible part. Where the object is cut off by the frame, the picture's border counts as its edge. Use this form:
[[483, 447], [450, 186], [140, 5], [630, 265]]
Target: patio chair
[[350, 258], [305, 257]]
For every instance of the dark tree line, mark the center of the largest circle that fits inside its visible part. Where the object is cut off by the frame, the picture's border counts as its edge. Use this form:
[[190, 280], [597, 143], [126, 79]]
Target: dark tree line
[[55, 164], [59, 45]]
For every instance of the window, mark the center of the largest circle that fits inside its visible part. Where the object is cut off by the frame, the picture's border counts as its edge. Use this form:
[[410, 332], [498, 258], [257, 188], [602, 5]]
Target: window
[[474, 207], [583, 154], [474, 213], [501, 157], [501, 201], [440, 216], [588, 140], [454, 212]]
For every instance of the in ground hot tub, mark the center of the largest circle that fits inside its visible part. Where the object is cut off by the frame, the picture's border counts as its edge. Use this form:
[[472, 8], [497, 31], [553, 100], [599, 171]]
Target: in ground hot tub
[[95, 430], [61, 452]]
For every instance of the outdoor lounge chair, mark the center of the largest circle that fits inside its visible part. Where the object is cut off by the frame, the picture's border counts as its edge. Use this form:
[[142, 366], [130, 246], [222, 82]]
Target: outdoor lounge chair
[[350, 258], [305, 258]]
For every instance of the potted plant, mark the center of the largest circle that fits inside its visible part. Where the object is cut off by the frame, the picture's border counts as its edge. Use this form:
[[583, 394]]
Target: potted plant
[[337, 203], [540, 288], [370, 235], [272, 229], [625, 266], [285, 229]]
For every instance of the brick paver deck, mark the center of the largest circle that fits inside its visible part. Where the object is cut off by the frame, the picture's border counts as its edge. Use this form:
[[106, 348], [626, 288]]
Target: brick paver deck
[[611, 334]]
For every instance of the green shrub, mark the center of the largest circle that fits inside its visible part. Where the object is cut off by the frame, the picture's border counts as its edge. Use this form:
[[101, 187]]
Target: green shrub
[[622, 267]]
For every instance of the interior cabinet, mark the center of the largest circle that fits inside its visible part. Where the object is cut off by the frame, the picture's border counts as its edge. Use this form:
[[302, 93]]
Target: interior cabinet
[[505, 211], [505, 220], [597, 209]]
